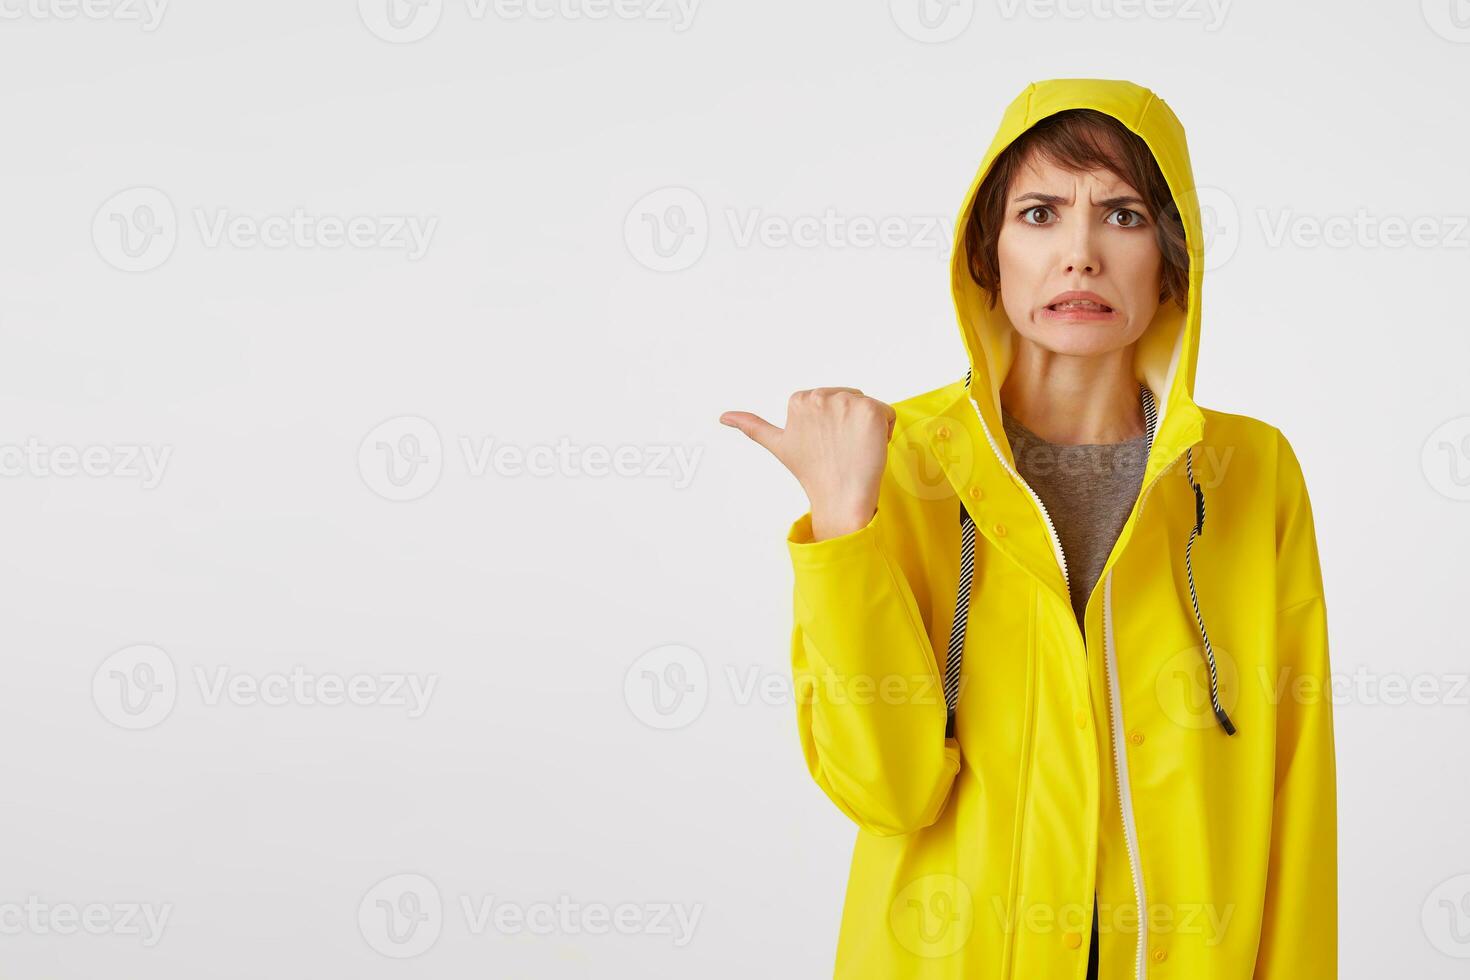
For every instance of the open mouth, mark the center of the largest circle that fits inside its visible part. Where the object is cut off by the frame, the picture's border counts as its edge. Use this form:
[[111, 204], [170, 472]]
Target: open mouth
[[1080, 305]]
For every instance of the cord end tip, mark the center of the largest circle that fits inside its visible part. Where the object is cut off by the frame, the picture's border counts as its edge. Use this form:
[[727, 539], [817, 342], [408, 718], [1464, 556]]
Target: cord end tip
[[1224, 721]]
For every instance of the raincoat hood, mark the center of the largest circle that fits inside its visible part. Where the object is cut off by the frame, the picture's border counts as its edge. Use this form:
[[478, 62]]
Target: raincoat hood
[[1165, 355]]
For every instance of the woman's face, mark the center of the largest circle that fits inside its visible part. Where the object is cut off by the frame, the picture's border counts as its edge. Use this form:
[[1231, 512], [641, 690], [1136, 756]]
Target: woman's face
[[1087, 232]]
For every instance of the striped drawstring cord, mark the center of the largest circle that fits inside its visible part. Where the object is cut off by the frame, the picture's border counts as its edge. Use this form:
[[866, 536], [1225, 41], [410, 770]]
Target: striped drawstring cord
[[961, 619], [1150, 421], [1194, 532]]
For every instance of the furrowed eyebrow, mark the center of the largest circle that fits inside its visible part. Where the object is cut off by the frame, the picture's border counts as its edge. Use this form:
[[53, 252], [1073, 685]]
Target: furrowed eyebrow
[[1122, 201]]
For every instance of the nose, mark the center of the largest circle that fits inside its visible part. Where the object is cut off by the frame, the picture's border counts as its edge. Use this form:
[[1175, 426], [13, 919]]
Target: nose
[[1082, 254]]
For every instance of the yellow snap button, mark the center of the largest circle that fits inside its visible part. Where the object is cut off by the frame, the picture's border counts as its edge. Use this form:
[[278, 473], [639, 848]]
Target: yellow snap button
[[1073, 939], [942, 432], [1160, 955], [1136, 737], [1081, 718], [976, 493], [1000, 530]]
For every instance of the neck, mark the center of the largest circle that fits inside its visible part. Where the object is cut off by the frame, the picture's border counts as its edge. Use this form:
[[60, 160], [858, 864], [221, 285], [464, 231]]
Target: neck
[[1073, 399]]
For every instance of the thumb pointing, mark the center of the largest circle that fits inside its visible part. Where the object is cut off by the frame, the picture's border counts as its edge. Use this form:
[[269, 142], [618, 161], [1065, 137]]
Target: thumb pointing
[[757, 428]]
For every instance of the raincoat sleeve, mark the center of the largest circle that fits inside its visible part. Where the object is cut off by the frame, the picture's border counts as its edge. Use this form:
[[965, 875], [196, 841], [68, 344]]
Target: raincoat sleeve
[[869, 698], [1299, 924]]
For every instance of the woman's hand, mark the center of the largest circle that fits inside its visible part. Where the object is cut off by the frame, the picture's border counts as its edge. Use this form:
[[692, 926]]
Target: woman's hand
[[836, 445]]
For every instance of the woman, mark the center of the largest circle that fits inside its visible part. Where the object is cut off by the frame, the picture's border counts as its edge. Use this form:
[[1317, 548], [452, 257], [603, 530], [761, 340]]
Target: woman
[[1104, 787]]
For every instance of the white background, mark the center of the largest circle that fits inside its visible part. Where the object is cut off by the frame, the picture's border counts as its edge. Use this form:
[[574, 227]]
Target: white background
[[544, 312]]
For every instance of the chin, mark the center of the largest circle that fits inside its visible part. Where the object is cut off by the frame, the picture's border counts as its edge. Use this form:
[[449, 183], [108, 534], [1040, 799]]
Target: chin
[[1080, 339]]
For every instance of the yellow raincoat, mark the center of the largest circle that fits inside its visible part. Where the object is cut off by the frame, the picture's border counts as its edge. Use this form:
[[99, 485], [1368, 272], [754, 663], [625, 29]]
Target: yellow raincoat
[[1076, 762]]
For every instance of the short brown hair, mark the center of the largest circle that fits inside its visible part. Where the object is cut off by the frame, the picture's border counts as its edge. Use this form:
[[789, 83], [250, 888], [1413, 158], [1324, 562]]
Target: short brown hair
[[1078, 140]]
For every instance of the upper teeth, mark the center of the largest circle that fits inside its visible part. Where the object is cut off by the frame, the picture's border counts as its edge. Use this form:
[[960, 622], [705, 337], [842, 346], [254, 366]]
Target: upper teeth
[[1079, 302]]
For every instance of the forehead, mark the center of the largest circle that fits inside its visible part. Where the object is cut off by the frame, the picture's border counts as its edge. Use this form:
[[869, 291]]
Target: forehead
[[1039, 172]]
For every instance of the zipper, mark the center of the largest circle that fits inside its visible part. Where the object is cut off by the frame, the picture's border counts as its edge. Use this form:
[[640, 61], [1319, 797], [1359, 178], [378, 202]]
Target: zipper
[[1152, 483], [1120, 769], [1120, 755]]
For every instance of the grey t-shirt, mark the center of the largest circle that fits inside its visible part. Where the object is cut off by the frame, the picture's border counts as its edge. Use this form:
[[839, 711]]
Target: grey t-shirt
[[1088, 490]]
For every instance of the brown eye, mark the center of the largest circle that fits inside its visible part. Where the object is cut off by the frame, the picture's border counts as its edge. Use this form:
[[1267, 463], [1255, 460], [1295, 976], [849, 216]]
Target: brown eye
[[1134, 219], [1039, 208]]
